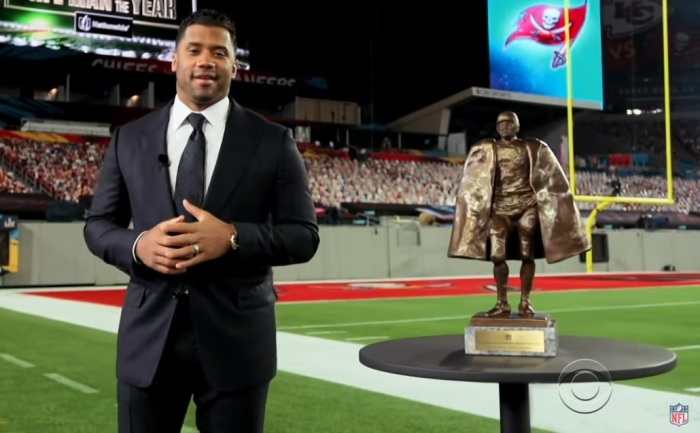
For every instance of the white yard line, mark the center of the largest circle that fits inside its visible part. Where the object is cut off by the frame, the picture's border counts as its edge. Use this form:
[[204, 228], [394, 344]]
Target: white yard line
[[693, 389], [376, 322], [16, 361], [676, 349], [379, 337], [630, 410], [326, 332], [70, 383], [466, 317]]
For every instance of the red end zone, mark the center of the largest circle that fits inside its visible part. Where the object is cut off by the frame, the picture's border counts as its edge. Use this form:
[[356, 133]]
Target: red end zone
[[383, 289]]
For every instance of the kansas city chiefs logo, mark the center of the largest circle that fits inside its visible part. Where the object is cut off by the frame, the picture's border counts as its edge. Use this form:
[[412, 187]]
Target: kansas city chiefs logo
[[624, 17]]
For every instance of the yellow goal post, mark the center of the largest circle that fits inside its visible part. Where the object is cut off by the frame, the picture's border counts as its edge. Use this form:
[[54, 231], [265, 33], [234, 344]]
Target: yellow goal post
[[604, 201]]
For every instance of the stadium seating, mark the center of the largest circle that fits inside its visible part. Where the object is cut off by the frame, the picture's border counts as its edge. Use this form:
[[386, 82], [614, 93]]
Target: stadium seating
[[9, 184], [68, 170], [65, 171]]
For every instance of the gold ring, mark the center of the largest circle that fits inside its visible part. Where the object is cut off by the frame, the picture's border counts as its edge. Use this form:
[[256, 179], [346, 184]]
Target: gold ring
[[196, 249]]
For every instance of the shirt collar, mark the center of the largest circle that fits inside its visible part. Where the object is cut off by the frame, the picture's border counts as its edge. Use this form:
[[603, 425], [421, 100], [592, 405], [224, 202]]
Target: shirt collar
[[216, 114]]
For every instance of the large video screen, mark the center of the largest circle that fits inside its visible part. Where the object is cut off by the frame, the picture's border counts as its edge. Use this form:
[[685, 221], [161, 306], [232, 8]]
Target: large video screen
[[528, 52], [124, 29]]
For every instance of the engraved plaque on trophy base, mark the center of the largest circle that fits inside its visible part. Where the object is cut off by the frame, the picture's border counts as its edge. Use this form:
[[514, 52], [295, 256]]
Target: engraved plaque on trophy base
[[534, 336]]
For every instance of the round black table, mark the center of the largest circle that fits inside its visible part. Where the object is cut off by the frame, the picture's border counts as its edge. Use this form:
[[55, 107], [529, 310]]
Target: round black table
[[579, 359]]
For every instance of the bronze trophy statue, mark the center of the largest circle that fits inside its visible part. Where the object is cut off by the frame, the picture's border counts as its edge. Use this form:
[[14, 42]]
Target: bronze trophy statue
[[515, 203]]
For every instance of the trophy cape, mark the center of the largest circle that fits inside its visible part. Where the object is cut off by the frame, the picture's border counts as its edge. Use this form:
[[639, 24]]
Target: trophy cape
[[561, 233]]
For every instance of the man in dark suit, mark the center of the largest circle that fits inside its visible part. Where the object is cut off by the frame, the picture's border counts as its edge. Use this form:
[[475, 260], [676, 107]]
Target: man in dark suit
[[217, 198]]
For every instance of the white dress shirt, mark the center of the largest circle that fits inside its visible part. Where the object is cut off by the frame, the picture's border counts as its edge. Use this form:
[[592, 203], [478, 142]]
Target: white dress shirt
[[178, 132]]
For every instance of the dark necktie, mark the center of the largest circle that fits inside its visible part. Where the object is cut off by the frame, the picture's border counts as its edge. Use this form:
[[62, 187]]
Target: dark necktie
[[190, 172]]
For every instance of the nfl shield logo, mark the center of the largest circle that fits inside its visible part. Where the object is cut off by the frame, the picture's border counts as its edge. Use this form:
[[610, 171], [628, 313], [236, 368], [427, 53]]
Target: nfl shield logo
[[678, 414]]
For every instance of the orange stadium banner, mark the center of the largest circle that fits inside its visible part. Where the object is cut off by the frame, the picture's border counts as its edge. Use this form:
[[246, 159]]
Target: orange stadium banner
[[49, 137]]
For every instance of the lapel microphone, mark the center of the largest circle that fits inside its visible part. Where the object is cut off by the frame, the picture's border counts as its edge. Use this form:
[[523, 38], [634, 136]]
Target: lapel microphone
[[163, 160]]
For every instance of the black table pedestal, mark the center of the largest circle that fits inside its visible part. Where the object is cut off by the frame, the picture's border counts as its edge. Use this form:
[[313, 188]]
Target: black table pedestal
[[514, 402], [443, 357]]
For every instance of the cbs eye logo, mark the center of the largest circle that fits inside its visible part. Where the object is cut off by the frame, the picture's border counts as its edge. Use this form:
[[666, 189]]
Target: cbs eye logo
[[585, 386]]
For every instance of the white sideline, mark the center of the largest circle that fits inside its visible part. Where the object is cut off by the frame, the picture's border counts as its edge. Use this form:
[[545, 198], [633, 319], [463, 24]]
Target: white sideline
[[693, 347], [630, 410], [70, 383], [464, 317]]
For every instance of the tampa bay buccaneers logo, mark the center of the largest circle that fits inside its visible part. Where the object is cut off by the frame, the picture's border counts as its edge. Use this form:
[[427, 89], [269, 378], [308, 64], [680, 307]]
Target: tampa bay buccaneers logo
[[546, 24]]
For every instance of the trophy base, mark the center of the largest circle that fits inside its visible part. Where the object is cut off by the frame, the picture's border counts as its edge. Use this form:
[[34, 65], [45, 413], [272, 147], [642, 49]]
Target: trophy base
[[531, 336]]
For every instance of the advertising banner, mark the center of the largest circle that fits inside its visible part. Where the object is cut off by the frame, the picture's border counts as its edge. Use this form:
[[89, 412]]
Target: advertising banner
[[9, 244]]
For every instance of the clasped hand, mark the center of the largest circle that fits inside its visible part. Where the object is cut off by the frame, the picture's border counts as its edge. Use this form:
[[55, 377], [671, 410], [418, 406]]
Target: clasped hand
[[174, 246]]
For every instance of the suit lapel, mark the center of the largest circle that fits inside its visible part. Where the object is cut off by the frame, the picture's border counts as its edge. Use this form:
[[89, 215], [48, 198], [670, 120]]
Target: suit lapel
[[154, 144], [238, 148]]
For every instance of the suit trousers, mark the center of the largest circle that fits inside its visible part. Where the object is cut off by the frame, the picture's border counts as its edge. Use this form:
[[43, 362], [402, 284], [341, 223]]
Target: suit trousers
[[162, 407]]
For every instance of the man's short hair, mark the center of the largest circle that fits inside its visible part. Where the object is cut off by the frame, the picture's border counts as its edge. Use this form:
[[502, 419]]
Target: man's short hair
[[209, 18]]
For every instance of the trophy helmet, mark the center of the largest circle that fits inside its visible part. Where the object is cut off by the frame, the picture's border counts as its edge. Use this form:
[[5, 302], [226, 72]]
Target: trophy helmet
[[508, 116]]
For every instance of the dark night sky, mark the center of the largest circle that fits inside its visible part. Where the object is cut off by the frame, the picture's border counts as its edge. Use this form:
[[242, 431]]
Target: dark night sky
[[390, 60]]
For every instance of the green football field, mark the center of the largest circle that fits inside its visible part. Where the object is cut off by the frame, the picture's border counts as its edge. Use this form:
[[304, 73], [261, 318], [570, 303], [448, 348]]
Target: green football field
[[57, 377]]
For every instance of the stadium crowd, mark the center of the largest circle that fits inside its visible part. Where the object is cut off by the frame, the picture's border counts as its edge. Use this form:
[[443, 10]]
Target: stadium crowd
[[8, 183], [68, 171], [65, 171], [341, 180], [689, 135], [336, 180], [647, 135]]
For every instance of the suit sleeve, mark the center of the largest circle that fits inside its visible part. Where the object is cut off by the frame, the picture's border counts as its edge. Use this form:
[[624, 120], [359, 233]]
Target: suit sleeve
[[292, 237], [105, 231]]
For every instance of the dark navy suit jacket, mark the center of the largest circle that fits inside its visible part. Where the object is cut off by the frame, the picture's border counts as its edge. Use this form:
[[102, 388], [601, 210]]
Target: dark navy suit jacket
[[260, 185]]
